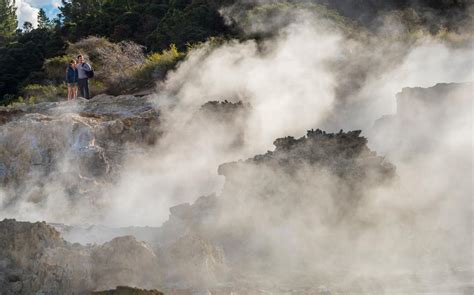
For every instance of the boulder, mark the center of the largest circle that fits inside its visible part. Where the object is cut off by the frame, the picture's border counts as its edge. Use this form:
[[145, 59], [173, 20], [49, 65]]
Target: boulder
[[126, 261], [35, 259]]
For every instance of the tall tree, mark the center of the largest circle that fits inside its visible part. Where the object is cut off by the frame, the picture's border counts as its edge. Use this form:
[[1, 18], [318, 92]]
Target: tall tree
[[43, 21], [8, 19], [27, 27]]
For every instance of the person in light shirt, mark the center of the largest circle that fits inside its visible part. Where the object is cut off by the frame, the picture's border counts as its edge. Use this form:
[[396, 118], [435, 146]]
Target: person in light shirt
[[82, 77]]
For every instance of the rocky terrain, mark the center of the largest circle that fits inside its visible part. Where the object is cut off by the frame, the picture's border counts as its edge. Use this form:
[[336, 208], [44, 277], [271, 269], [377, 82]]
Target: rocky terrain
[[36, 259], [71, 148], [99, 127], [319, 214], [192, 251], [224, 119], [444, 107]]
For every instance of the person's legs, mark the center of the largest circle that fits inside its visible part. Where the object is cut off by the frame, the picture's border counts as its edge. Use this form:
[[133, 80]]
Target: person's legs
[[74, 91], [86, 89], [69, 92], [80, 84]]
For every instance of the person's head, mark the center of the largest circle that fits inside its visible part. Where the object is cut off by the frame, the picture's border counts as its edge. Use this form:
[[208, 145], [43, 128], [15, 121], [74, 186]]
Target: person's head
[[72, 63], [80, 58]]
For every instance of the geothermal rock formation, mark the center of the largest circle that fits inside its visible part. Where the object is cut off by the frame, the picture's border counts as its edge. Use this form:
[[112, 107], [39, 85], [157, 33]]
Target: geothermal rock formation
[[424, 117], [71, 146], [303, 218], [226, 120], [36, 259], [211, 243]]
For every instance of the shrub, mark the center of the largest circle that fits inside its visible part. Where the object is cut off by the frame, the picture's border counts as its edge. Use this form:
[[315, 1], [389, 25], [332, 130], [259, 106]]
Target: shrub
[[155, 67], [35, 93], [7, 99], [55, 67], [113, 63], [97, 87]]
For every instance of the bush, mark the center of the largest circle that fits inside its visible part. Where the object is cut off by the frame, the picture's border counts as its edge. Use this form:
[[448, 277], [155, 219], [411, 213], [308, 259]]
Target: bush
[[119, 69], [155, 67], [35, 93], [113, 63], [55, 67], [97, 87]]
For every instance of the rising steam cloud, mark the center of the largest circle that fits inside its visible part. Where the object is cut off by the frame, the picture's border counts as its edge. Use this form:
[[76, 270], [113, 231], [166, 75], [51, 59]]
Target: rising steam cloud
[[309, 72], [299, 79]]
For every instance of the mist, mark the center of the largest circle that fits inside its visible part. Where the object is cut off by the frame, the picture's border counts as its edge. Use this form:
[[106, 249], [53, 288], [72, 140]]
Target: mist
[[291, 84], [311, 74], [308, 73]]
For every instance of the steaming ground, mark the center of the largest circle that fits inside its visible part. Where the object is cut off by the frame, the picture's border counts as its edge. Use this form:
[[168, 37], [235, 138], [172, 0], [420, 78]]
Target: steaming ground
[[309, 74], [301, 78]]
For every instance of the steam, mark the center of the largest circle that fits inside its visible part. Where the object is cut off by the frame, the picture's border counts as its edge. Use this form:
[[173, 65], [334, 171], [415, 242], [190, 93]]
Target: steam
[[310, 73], [292, 83]]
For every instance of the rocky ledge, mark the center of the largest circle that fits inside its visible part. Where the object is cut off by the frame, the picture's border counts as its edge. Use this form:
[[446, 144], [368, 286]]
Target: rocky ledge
[[75, 144], [212, 244], [425, 117]]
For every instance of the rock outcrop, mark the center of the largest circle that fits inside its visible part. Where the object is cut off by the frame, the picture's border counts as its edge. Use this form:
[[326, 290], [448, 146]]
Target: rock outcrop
[[35, 259], [345, 155], [71, 147], [213, 242], [126, 261], [311, 186], [338, 166], [424, 118], [288, 221], [225, 120]]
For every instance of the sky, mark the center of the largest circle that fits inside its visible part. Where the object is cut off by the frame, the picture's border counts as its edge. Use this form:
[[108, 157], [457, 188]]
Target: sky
[[28, 10]]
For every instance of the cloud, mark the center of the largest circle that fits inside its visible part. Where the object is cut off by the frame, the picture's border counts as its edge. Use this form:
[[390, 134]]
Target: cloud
[[28, 10]]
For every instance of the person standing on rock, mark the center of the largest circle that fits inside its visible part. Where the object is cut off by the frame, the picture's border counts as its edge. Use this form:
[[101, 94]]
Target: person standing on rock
[[84, 72], [71, 80]]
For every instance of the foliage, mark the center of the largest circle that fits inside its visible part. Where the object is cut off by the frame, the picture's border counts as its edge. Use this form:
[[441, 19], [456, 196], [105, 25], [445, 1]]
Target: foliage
[[55, 67], [43, 21], [114, 63], [282, 13], [8, 20], [195, 23], [154, 24], [22, 60], [97, 87], [155, 68], [27, 27], [35, 93], [126, 30]]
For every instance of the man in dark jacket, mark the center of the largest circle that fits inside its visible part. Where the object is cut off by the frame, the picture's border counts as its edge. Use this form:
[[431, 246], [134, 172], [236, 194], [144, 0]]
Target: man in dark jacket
[[83, 79]]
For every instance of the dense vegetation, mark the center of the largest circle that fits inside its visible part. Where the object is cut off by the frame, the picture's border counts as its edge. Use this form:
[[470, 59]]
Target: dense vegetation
[[160, 29], [156, 25]]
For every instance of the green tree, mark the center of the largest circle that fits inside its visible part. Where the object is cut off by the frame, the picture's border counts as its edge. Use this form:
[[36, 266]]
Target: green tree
[[153, 23], [43, 21], [22, 61], [8, 19], [27, 27]]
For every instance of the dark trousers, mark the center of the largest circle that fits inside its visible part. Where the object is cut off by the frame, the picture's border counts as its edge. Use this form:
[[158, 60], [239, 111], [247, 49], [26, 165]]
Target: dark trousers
[[83, 85]]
